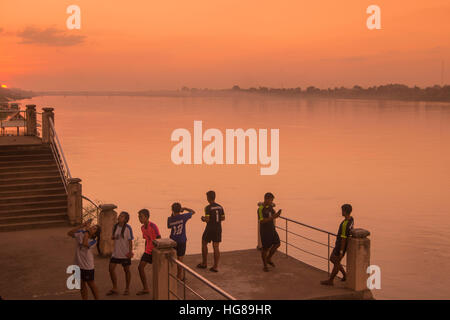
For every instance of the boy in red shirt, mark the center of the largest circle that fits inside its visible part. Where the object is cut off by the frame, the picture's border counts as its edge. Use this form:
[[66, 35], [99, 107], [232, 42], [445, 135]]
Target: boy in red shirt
[[150, 232]]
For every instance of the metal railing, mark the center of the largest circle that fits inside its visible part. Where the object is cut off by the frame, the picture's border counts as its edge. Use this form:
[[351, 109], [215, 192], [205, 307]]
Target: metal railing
[[38, 124], [288, 244], [90, 213], [186, 287], [58, 154]]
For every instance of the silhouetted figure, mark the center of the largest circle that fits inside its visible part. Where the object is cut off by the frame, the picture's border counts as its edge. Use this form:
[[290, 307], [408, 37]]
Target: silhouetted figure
[[214, 215], [340, 247], [269, 235]]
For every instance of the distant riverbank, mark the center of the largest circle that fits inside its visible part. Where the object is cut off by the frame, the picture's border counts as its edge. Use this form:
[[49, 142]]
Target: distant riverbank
[[14, 94], [384, 92]]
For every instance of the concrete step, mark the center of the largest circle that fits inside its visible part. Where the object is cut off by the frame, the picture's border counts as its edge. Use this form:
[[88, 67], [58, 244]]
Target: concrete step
[[26, 163], [26, 179], [17, 168], [29, 174], [32, 191], [33, 205], [25, 149], [33, 198], [26, 157], [33, 218], [33, 225], [33, 211], [31, 186]]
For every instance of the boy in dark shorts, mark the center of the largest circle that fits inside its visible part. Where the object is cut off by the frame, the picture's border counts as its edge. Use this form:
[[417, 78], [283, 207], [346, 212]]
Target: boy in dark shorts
[[123, 252], [214, 215], [269, 235], [177, 222], [340, 247], [86, 237], [150, 232]]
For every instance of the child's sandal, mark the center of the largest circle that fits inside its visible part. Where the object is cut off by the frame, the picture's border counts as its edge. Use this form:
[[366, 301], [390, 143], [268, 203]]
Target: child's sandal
[[111, 293]]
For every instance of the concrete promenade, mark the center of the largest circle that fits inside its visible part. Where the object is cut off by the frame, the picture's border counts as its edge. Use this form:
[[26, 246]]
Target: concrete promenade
[[33, 266]]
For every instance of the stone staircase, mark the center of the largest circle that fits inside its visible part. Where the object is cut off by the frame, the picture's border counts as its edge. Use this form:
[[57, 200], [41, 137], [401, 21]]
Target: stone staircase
[[32, 193]]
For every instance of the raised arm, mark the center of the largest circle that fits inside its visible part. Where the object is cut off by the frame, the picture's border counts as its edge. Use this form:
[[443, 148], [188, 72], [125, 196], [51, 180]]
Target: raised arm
[[189, 210], [72, 232], [86, 240]]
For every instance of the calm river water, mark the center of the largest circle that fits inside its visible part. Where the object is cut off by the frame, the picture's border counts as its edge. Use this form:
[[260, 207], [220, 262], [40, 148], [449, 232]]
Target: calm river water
[[389, 159]]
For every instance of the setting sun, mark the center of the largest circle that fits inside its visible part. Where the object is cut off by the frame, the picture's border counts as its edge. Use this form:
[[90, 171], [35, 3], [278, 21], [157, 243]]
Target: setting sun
[[4, 86]]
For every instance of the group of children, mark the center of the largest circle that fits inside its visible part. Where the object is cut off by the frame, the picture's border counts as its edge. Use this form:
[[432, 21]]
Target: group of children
[[88, 236]]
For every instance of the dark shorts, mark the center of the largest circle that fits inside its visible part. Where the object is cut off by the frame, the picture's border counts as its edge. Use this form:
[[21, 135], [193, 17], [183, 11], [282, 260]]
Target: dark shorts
[[212, 235], [181, 249], [269, 238], [147, 258], [124, 262], [336, 250], [87, 275]]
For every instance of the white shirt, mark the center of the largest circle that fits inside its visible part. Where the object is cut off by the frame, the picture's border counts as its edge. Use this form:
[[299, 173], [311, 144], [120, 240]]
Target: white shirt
[[83, 256], [122, 245]]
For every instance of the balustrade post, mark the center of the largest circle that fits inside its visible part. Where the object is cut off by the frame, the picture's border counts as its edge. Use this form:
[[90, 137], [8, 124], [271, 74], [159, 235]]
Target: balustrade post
[[162, 253], [46, 127], [74, 201], [106, 220], [358, 260], [31, 121]]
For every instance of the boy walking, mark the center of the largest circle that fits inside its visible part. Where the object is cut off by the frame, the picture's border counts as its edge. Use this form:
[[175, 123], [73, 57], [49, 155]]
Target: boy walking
[[177, 222], [214, 215], [150, 232]]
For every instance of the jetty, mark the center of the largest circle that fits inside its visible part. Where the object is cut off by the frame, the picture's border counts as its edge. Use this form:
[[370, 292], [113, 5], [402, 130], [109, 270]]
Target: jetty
[[40, 201]]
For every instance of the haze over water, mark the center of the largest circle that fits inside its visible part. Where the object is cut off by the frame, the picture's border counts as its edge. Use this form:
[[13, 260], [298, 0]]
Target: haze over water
[[389, 159]]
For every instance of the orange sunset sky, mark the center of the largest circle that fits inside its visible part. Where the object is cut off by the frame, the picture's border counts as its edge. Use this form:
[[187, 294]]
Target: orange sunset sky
[[146, 44]]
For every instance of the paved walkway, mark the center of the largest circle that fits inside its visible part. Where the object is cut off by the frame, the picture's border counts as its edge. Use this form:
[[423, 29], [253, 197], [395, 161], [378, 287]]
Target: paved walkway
[[34, 266]]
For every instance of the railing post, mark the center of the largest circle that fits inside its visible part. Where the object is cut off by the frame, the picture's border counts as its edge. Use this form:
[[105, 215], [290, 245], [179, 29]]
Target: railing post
[[106, 220], [286, 238], [31, 120], [162, 253], [46, 130], [74, 201], [358, 259], [328, 256]]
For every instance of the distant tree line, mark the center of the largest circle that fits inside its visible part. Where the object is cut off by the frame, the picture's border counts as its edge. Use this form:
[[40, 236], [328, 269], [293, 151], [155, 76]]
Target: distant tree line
[[14, 94], [389, 91]]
